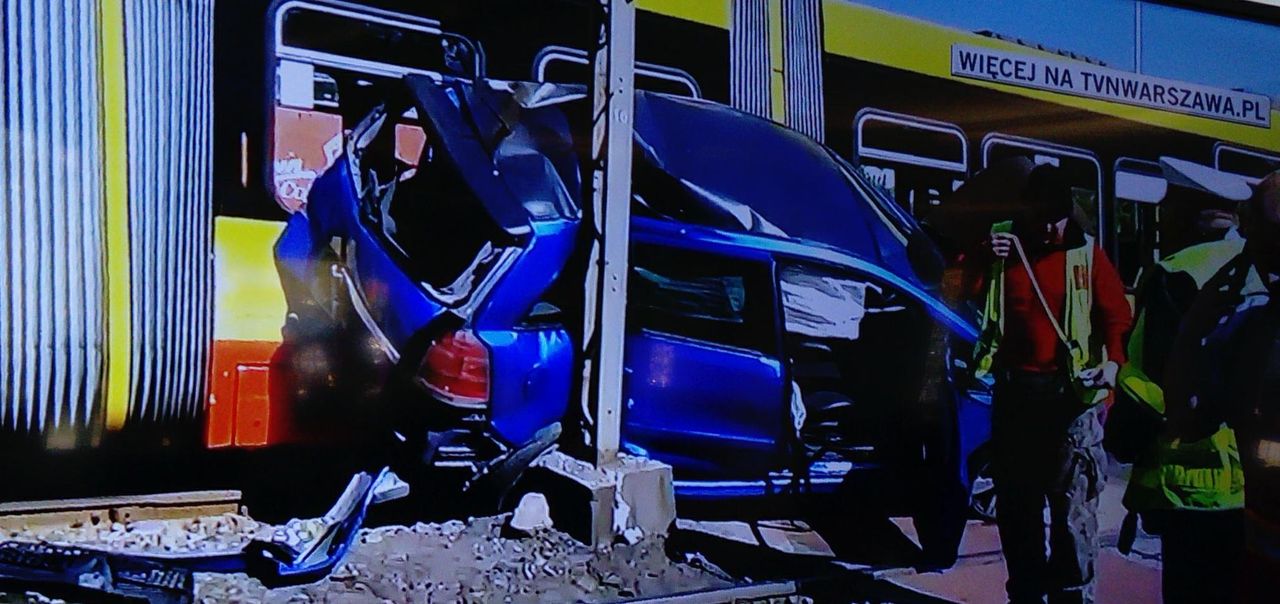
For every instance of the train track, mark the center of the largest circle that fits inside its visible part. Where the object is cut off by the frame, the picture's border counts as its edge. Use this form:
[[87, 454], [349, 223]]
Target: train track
[[21, 515]]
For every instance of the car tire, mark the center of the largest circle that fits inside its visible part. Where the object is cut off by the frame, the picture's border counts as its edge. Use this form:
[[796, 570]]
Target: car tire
[[940, 498]]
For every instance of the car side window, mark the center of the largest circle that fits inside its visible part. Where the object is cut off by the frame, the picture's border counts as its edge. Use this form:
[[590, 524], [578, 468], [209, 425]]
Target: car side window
[[701, 296], [821, 303]]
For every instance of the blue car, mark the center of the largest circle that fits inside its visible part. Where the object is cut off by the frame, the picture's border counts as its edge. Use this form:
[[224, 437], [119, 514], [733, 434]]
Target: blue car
[[783, 331]]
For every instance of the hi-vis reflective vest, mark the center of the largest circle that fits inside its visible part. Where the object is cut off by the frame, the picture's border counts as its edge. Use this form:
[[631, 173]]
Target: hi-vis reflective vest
[[1077, 322], [1173, 474]]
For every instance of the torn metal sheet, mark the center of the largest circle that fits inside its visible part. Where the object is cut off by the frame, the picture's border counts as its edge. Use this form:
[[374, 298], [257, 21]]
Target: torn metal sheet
[[279, 562]]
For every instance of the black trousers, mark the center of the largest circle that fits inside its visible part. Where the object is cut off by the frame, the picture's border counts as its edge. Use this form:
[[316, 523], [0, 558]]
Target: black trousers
[[1048, 453], [1200, 552]]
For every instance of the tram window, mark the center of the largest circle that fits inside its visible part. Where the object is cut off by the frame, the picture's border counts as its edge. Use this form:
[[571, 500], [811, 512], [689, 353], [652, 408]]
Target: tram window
[[1250, 164], [332, 63], [886, 178], [917, 190], [884, 139], [1136, 238], [313, 106], [1140, 187], [319, 30], [1086, 209], [307, 137], [571, 66]]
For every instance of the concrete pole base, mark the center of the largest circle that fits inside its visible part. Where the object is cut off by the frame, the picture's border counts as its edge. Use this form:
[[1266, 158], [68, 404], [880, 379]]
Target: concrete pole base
[[631, 499]]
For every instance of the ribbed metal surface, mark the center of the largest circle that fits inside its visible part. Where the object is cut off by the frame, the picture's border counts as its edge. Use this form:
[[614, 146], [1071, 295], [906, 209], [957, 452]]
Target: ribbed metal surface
[[749, 56], [803, 71], [50, 226], [168, 54]]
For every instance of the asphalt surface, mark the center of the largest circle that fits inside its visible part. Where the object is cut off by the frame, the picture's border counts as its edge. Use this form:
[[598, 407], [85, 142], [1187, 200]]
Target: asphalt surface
[[980, 575], [865, 560]]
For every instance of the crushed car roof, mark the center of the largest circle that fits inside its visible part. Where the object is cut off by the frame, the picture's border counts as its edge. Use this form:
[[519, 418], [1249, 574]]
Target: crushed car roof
[[791, 182], [719, 167]]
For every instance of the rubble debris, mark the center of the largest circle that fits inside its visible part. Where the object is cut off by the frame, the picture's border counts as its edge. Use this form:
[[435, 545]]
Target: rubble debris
[[531, 515], [474, 562]]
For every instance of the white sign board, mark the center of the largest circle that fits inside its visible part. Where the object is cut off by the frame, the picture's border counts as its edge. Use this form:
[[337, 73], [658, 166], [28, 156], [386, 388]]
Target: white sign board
[[1095, 82]]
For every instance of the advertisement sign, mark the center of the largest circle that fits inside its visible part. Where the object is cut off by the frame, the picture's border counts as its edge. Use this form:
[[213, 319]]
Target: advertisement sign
[[1096, 82]]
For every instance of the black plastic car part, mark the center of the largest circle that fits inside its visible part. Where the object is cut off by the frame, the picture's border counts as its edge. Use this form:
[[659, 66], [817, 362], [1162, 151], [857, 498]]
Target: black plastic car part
[[83, 575]]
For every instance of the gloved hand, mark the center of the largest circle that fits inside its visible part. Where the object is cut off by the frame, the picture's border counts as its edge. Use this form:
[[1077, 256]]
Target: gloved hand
[[1102, 376], [1001, 244]]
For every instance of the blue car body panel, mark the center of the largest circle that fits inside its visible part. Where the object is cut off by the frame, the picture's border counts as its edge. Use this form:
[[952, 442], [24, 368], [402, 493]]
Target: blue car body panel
[[704, 409], [532, 373], [399, 305], [296, 257], [333, 203], [306, 234], [540, 261], [973, 410]]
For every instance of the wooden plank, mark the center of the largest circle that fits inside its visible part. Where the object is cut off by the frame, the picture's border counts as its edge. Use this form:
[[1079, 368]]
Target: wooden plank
[[96, 510]]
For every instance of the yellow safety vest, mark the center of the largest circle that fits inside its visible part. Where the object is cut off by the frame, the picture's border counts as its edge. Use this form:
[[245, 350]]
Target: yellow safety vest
[[1174, 474], [1077, 322]]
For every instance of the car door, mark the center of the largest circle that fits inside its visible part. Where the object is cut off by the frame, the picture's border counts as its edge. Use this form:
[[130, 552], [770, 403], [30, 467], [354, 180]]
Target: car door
[[898, 347], [705, 388]]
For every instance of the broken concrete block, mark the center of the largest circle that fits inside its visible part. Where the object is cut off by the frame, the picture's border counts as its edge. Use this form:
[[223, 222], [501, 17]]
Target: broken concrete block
[[598, 505], [532, 514], [581, 496], [647, 488]]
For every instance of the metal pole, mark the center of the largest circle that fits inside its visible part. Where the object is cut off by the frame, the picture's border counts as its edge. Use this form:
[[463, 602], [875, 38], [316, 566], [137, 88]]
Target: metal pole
[[613, 104], [1137, 36]]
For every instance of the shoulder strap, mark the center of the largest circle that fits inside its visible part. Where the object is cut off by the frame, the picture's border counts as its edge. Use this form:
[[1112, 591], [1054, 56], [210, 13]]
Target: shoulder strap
[[1035, 285]]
